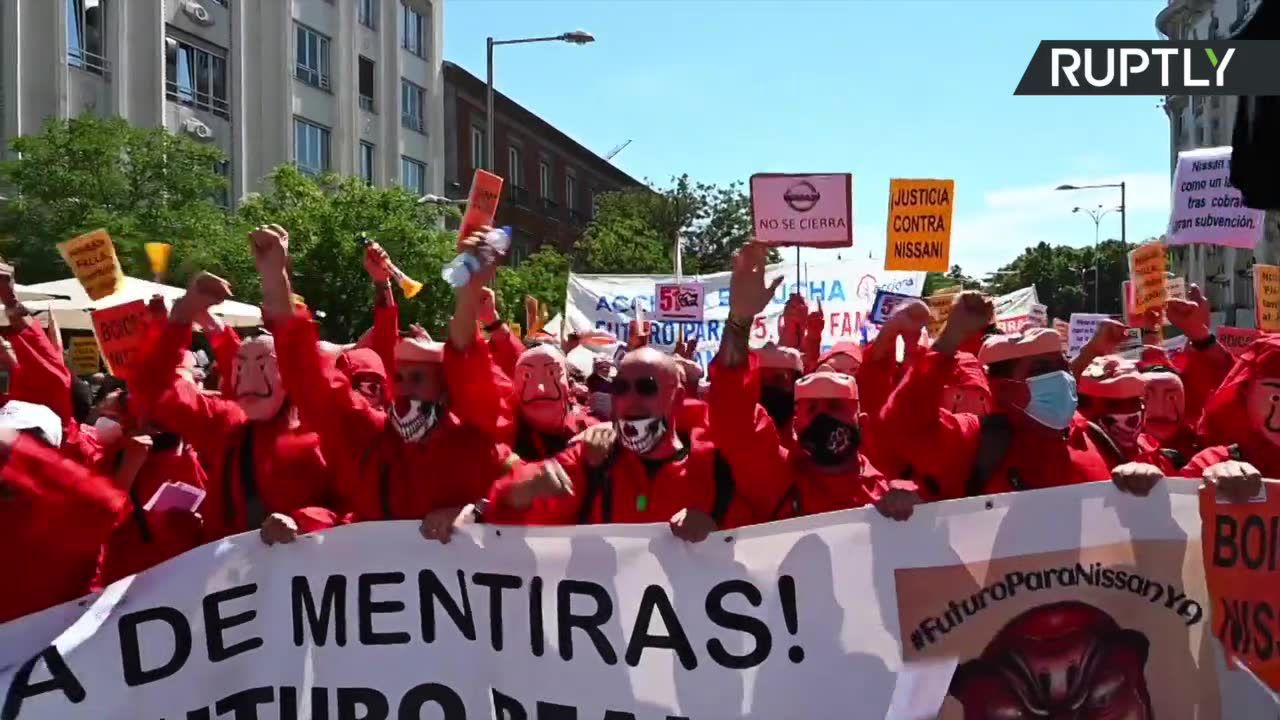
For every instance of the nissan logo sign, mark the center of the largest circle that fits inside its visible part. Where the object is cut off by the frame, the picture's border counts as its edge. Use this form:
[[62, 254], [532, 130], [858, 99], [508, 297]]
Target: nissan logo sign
[[802, 196]]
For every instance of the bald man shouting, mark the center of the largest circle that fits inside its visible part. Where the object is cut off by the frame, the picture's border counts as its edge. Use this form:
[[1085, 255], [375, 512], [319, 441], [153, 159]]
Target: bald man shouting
[[650, 473]]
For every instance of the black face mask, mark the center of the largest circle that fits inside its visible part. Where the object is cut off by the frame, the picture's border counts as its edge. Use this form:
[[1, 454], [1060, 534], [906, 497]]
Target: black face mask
[[779, 402], [829, 441]]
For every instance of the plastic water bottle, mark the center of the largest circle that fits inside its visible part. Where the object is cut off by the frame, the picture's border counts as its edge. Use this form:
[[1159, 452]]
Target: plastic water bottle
[[459, 270]]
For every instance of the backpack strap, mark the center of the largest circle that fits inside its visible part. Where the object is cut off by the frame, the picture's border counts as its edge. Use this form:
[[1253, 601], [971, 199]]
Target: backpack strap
[[1174, 457], [994, 437], [384, 478], [139, 516], [1104, 441], [930, 482], [1235, 453], [790, 497], [598, 483], [725, 488]]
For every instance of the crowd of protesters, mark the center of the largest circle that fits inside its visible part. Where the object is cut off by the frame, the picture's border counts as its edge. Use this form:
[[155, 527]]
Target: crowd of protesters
[[294, 435]]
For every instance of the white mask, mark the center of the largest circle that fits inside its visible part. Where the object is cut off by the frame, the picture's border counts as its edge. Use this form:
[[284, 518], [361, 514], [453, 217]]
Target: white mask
[[109, 431], [1123, 429], [641, 436], [415, 422]]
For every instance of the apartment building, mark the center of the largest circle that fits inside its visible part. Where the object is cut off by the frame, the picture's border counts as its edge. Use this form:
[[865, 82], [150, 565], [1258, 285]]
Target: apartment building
[[1201, 121], [352, 86]]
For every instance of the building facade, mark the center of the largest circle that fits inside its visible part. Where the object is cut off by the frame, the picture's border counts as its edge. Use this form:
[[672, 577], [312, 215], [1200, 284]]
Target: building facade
[[352, 86], [550, 180], [1225, 274]]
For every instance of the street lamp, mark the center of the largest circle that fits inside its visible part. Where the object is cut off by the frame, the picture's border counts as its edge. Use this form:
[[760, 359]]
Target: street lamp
[[1097, 215], [1123, 223], [577, 37]]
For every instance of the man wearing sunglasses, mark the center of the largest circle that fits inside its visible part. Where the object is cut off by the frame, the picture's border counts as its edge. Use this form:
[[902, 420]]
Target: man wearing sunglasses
[[825, 470]]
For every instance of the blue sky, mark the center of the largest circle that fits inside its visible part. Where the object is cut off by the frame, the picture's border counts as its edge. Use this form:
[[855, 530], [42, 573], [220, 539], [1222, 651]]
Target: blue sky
[[720, 89]]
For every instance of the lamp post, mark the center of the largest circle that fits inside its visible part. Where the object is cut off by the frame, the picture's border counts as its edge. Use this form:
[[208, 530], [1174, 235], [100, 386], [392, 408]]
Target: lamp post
[[1096, 215], [577, 37], [1123, 223]]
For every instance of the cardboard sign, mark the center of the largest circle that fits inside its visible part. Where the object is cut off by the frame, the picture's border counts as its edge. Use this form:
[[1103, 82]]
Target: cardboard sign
[[84, 355], [683, 301], [1039, 316], [1235, 339], [120, 330], [1206, 208], [919, 227], [1177, 288], [1266, 293], [92, 258], [1148, 268], [1082, 328], [940, 309], [885, 303], [1063, 328], [805, 210], [482, 203]]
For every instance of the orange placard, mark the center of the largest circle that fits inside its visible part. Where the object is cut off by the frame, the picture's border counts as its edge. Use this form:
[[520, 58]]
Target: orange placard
[[92, 258], [1148, 275], [1242, 571], [120, 330], [1266, 293], [482, 203], [918, 233], [940, 308]]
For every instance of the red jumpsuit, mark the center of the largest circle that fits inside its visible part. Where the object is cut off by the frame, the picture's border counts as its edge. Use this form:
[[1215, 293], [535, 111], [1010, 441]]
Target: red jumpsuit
[[54, 517], [253, 468], [1225, 421], [42, 378], [379, 475], [744, 432], [145, 538], [945, 445]]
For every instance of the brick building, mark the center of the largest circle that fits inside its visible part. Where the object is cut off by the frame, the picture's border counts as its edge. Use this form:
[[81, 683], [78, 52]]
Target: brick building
[[551, 181]]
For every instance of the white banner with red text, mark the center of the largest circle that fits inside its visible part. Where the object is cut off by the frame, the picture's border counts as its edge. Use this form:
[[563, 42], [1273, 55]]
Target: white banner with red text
[[1095, 594]]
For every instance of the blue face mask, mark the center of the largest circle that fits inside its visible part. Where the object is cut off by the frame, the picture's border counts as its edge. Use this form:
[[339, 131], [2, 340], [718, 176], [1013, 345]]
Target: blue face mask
[[1053, 399]]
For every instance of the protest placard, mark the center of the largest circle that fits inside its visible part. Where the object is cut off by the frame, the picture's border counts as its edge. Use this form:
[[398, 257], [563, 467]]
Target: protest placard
[[1206, 208], [1235, 339], [1083, 326], [940, 308], [120, 330], [482, 203], [1147, 275], [1266, 293], [679, 301], [84, 355], [92, 258], [805, 210], [918, 232], [886, 302], [1063, 328], [1039, 316], [1177, 288]]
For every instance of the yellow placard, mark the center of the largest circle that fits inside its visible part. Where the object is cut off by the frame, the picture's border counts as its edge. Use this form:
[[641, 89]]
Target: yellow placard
[[516, 329], [940, 309], [1148, 266], [919, 227], [158, 255], [1266, 291], [92, 257], [85, 358]]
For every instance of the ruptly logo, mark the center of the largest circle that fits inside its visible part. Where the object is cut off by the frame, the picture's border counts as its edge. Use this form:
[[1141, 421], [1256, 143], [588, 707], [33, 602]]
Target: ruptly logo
[[1222, 67], [802, 196]]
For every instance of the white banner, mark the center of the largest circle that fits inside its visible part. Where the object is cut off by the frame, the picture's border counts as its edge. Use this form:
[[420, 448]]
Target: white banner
[[846, 289], [1017, 310], [1207, 209], [1100, 595]]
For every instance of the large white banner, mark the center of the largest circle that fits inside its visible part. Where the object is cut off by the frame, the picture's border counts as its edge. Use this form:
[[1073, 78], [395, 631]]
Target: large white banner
[[1094, 594], [846, 289]]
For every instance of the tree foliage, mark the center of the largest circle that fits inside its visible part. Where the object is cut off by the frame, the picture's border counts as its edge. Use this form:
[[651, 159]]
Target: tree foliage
[[935, 281], [1064, 277], [141, 184], [634, 231], [543, 275]]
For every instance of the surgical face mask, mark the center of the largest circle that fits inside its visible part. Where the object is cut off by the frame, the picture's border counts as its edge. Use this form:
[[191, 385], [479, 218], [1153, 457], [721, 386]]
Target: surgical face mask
[[108, 430], [641, 436], [413, 419], [779, 402], [1123, 429], [1053, 399], [830, 442], [601, 404]]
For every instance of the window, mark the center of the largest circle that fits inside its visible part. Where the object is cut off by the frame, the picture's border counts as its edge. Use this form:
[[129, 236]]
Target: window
[[477, 148], [222, 196], [544, 179], [515, 174], [368, 11], [313, 58], [412, 102], [366, 82], [366, 162], [196, 76], [413, 35], [86, 35], [570, 190], [413, 175], [310, 146]]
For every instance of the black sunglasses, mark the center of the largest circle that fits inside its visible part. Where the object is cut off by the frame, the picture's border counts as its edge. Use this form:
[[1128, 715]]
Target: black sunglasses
[[644, 386]]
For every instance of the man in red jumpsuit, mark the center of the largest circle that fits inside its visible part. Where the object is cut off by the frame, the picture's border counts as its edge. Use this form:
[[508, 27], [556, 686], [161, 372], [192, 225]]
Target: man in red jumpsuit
[[544, 418], [1033, 438], [1112, 396], [264, 469], [420, 459], [1165, 399], [825, 471]]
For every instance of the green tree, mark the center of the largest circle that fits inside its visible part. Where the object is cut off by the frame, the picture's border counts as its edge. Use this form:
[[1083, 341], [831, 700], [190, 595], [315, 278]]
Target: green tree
[[1065, 277], [324, 216], [634, 230], [141, 184], [935, 281], [542, 275]]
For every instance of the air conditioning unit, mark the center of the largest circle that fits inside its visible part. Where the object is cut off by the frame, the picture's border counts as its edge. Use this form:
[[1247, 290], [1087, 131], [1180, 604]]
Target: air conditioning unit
[[197, 12], [197, 129]]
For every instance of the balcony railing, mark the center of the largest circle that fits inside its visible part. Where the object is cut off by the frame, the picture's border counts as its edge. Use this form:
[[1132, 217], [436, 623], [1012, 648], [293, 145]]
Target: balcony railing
[[311, 76], [199, 100], [88, 61], [552, 209], [577, 217], [366, 103], [518, 195]]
